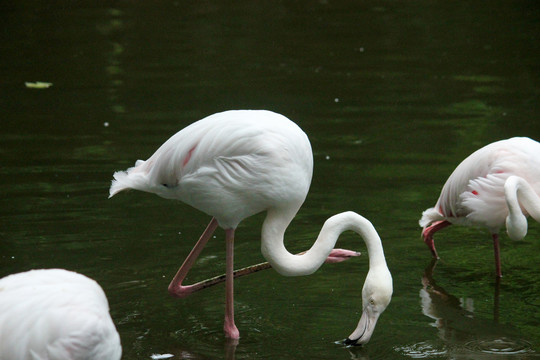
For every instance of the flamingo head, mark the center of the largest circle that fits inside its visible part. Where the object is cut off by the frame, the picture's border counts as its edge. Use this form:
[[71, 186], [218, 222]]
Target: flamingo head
[[516, 226], [376, 296]]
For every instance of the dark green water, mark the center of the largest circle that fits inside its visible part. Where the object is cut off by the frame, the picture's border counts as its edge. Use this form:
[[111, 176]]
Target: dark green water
[[393, 95]]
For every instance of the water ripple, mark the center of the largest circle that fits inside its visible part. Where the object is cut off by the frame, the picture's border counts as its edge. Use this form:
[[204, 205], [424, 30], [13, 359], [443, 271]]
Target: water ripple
[[421, 350], [503, 346]]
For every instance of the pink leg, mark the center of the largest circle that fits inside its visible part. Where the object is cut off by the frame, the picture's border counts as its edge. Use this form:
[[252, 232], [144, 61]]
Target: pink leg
[[428, 233], [231, 331], [336, 256], [175, 287], [497, 252]]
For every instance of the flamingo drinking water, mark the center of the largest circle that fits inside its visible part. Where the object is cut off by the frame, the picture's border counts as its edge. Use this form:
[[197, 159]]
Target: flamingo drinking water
[[234, 164]]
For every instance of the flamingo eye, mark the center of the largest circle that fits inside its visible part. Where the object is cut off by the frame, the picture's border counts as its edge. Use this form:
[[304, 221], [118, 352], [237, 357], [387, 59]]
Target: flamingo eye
[[371, 302]]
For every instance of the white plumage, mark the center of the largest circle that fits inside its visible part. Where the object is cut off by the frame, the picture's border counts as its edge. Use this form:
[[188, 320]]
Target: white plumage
[[496, 185], [229, 165], [234, 164], [55, 314]]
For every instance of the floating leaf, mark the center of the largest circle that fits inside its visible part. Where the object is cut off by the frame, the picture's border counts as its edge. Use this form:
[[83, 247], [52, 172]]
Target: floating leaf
[[38, 85]]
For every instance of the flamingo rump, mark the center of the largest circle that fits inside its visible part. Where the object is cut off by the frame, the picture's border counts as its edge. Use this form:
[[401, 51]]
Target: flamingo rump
[[235, 164], [496, 185], [55, 314]]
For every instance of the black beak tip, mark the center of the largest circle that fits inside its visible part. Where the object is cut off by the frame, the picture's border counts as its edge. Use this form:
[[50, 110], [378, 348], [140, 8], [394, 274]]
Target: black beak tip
[[350, 342]]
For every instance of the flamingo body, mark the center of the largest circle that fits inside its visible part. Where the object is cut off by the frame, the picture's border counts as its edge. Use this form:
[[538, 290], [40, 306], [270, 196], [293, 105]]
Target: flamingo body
[[482, 191], [234, 164], [55, 314], [230, 165]]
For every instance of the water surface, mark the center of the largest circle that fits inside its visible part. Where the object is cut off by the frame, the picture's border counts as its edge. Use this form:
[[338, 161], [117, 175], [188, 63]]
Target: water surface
[[392, 96]]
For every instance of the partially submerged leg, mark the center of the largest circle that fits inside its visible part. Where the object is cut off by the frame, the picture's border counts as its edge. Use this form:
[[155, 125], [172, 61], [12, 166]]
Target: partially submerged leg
[[497, 252], [428, 233], [203, 284], [336, 256], [175, 287], [231, 331]]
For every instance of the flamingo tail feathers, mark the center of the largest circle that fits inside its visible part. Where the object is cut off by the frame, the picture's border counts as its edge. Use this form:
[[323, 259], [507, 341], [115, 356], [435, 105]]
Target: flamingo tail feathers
[[132, 178], [429, 216]]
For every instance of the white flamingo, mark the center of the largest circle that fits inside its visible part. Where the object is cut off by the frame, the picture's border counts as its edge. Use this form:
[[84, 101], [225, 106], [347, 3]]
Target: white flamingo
[[234, 164], [55, 314], [496, 185]]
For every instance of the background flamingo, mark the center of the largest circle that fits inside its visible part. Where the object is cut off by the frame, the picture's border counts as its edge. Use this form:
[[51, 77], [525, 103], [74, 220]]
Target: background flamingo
[[497, 184], [234, 164], [55, 314]]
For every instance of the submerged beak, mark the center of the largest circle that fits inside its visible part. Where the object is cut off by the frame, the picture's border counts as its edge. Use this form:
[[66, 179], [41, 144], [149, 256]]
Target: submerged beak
[[364, 330]]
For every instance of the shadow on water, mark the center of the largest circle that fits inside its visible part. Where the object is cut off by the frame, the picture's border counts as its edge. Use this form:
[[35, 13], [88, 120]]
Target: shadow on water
[[393, 95], [463, 335]]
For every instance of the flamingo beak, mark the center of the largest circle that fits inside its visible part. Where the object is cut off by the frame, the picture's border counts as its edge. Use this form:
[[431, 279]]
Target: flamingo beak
[[364, 330]]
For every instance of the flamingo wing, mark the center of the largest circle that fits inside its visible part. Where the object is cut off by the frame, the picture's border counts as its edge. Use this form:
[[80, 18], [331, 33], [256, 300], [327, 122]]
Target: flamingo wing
[[474, 192], [55, 314], [229, 165]]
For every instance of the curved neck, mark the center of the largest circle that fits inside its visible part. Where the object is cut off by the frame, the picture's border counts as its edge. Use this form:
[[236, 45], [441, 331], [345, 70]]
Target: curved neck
[[520, 194], [273, 248]]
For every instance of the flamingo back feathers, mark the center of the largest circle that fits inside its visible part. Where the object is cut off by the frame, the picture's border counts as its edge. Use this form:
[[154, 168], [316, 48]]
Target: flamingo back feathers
[[55, 314], [474, 192], [229, 165]]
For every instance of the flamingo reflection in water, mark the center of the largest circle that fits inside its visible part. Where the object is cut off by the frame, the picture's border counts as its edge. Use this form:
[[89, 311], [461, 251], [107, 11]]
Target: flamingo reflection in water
[[235, 164], [464, 334]]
